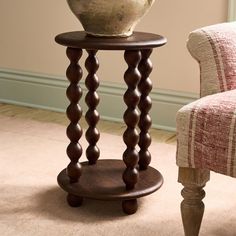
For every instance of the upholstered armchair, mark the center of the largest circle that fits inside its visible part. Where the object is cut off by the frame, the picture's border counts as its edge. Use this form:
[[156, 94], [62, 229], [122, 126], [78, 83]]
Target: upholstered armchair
[[206, 128]]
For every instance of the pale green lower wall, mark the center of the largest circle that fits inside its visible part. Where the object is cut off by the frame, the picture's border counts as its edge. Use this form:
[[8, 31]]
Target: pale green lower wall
[[48, 92]]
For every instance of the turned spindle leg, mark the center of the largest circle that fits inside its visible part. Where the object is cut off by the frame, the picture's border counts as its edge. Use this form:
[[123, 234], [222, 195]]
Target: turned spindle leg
[[92, 100], [74, 201], [131, 118], [192, 207], [145, 104], [130, 206], [74, 113]]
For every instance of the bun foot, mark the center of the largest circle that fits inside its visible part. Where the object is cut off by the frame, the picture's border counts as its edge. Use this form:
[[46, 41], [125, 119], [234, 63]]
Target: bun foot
[[130, 206], [74, 201]]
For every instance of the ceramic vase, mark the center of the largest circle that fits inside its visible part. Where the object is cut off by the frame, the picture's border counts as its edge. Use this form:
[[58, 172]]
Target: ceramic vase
[[109, 18]]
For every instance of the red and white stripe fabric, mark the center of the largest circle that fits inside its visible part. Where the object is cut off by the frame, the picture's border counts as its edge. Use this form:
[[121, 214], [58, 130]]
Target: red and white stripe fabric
[[206, 128], [214, 47], [207, 133]]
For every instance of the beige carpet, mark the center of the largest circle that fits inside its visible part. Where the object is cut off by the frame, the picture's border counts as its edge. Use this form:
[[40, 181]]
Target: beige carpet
[[31, 203]]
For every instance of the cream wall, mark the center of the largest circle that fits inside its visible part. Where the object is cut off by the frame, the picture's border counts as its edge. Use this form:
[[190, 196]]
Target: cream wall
[[28, 29]]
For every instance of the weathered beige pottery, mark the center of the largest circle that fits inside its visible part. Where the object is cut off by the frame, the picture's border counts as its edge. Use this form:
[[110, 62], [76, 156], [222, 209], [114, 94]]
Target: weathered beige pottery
[[111, 18]]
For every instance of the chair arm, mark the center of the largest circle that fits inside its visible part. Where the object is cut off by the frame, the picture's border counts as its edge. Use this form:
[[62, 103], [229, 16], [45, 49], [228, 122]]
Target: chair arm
[[214, 47]]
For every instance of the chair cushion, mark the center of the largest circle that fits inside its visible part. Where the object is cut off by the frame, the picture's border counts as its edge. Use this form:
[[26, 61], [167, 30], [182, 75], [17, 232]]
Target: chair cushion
[[214, 47], [206, 134]]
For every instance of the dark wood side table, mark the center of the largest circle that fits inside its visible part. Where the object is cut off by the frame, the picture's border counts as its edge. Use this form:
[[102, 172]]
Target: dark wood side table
[[102, 179]]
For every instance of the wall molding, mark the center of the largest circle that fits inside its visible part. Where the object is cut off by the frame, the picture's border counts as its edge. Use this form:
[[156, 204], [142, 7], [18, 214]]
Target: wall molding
[[232, 10], [48, 92]]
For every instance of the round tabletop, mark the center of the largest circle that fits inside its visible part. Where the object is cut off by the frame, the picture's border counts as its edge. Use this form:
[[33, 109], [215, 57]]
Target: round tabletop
[[138, 40]]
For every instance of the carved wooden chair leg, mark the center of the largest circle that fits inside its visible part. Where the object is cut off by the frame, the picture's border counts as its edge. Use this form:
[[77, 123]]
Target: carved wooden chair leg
[[192, 207]]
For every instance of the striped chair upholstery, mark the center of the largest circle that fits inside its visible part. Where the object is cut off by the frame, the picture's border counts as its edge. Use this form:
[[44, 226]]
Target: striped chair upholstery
[[214, 48], [206, 128], [207, 134]]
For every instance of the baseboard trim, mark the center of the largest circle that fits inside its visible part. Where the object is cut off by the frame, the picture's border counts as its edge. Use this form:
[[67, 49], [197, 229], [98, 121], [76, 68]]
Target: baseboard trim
[[231, 10], [48, 92]]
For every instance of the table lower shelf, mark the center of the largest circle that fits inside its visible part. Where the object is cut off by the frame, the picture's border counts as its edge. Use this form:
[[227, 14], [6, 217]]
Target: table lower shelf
[[103, 181]]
